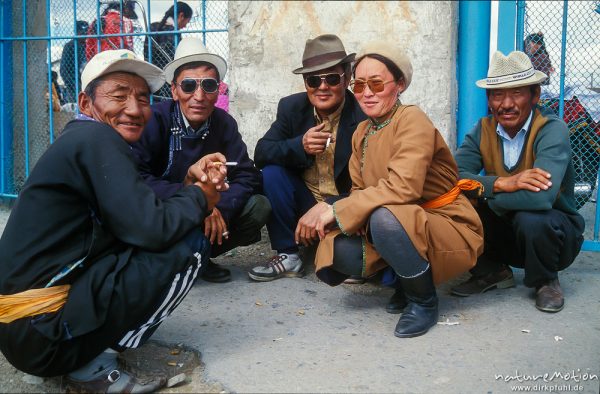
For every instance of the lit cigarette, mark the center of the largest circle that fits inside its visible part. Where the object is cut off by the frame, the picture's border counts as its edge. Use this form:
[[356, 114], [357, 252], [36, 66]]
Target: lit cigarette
[[328, 142], [227, 163]]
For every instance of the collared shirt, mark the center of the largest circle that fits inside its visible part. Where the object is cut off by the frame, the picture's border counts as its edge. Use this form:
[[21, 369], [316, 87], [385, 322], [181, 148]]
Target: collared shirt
[[319, 178], [190, 131], [512, 147]]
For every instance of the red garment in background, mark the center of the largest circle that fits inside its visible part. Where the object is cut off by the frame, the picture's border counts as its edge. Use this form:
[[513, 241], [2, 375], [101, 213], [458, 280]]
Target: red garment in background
[[111, 25]]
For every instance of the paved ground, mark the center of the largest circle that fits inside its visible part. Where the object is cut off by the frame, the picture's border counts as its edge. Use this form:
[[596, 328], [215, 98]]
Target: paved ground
[[299, 335]]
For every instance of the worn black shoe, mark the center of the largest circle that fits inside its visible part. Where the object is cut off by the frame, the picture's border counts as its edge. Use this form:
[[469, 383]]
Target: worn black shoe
[[215, 273], [397, 302], [480, 284]]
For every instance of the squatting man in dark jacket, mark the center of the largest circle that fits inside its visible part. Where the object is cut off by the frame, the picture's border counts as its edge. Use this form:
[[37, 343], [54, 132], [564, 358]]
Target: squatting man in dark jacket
[[91, 261]]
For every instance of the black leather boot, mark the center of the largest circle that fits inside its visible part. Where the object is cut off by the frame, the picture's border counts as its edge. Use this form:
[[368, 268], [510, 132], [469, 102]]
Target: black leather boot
[[397, 301], [421, 313]]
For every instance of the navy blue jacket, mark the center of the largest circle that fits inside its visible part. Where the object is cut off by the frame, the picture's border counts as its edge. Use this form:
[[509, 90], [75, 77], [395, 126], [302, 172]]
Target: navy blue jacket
[[153, 150], [282, 144]]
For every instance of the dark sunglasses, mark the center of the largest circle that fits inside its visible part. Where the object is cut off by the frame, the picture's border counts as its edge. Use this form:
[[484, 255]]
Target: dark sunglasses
[[376, 85], [189, 85], [314, 81]]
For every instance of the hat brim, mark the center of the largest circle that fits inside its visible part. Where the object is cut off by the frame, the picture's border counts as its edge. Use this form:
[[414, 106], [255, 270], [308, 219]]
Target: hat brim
[[211, 58], [303, 70], [154, 76], [537, 78]]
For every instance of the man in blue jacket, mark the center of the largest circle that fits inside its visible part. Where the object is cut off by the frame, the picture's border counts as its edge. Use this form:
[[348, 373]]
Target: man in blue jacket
[[91, 261], [528, 211], [304, 155], [188, 127]]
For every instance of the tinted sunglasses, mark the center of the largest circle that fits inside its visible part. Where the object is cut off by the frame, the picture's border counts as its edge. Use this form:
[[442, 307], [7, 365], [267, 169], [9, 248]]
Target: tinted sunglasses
[[314, 81], [189, 85], [376, 85]]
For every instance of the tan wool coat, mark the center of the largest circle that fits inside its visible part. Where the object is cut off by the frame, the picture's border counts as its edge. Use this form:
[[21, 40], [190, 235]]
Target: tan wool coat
[[399, 167]]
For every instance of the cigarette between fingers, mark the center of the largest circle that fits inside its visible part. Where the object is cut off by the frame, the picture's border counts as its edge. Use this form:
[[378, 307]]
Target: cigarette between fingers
[[227, 163], [225, 233]]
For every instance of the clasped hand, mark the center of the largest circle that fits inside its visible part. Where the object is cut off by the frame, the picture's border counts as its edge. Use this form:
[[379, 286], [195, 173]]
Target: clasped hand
[[209, 174]]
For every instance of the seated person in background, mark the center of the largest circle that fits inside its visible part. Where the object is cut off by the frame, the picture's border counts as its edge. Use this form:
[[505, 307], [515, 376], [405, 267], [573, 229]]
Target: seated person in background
[[188, 127], [535, 48], [528, 207], [405, 209], [109, 261], [304, 155]]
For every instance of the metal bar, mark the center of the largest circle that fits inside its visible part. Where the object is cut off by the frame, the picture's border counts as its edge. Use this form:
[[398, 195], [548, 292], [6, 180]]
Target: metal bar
[[507, 15], [25, 92], [175, 23], [148, 29], [520, 24], [49, 65], [563, 53], [155, 33], [597, 219], [9, 195], [121, 40], [98, 23], [204, 22], [5, 20], [473, 53], [76, 48]]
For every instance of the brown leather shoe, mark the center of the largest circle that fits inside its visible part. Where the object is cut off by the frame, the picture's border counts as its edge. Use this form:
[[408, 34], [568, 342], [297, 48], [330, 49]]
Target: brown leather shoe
[[115, 381], [549, 297], [480, 284]]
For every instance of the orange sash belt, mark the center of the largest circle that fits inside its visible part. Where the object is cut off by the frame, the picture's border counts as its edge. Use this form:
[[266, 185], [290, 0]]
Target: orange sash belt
[[32, 302], [452, 194]]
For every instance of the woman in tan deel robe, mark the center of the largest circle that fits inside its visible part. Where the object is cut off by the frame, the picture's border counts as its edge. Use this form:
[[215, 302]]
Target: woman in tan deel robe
[[399, 161]]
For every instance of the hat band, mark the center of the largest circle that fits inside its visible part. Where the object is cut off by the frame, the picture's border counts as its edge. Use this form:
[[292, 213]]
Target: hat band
[[324, 58], [511, 77]]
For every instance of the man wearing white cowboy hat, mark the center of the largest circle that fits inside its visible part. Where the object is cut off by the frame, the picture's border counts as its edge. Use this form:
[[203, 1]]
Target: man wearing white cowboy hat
[[188, 127], [304, 155], [528, 206], [91, 262]]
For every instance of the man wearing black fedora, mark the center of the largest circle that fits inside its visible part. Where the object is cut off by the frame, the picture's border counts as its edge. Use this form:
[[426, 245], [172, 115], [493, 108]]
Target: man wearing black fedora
[[528, 208], [304, 155], [188, 127]]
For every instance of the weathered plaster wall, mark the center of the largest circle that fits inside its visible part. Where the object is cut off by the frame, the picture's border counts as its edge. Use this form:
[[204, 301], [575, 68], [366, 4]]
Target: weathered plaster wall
[[267, 40]]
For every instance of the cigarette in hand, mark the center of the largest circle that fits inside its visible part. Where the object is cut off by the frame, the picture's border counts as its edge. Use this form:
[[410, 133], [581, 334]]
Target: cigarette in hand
[[328, 142], [227, 163]]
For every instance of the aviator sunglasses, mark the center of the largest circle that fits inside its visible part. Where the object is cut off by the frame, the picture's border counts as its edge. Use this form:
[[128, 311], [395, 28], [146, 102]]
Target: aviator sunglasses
[[376, 85], [189, 85], [314, 81]]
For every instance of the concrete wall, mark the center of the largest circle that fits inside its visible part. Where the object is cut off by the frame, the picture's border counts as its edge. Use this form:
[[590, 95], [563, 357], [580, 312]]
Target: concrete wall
[[267, 40]]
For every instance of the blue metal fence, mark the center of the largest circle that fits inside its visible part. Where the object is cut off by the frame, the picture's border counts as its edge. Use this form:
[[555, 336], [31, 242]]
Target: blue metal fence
[[32, 40], [563, 41]]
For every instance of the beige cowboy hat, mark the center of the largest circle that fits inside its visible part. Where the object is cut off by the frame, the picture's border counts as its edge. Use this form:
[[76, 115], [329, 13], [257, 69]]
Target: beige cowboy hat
[[191, 49], [511, 71], [323, 52], [121, 60], [396, 55]]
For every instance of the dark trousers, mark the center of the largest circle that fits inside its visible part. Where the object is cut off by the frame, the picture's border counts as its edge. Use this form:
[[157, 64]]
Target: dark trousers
[[541, 242], [245, 228], [145, 292], [290, 199], [391, 241]]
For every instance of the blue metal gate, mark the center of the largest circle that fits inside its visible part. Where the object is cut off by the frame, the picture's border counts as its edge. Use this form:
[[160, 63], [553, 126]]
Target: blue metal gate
[[563, 40], [44, 45]]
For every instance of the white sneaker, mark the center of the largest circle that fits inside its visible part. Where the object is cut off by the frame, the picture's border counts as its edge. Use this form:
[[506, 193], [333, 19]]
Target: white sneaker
[[282, 265]]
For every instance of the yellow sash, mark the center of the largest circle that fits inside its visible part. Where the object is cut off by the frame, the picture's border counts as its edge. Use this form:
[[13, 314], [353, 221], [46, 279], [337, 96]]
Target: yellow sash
[[32, 302]]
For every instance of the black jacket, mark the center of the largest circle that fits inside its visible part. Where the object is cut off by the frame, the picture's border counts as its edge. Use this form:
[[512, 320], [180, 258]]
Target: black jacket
[[282, 143]]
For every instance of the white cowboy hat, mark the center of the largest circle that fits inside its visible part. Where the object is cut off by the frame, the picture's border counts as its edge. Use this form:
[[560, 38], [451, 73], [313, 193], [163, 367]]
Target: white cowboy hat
[[511, 71], [121, 60], [191, 49]]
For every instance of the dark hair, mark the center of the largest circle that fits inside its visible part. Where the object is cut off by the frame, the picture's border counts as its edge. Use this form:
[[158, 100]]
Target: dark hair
[[90, 89], [191, 65], [181, 7], [391, 66], [536, 38]]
